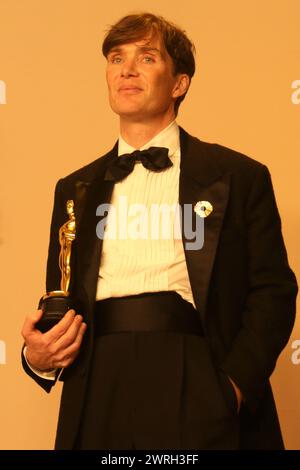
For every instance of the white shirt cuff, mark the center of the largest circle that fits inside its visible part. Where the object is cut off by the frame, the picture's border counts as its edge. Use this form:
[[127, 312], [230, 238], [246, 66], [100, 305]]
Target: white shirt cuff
[[49, 375]]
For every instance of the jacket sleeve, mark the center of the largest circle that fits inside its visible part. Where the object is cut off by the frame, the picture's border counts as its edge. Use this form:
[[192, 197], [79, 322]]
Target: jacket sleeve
[[270, 306], [46, 384], [53, 274]]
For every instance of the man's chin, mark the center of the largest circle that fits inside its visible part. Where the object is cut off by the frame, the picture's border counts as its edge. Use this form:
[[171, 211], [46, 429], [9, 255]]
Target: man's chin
[[131, 114]]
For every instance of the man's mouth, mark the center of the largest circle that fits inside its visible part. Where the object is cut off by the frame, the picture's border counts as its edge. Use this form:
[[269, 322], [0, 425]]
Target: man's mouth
[[130, 89]]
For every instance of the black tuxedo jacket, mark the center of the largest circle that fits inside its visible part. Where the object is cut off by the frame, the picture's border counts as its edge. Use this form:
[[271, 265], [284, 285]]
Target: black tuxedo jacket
[[243, 287]]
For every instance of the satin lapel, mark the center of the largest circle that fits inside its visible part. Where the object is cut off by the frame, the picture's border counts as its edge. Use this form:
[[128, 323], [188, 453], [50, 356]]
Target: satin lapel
[[81, 190], [201, 180], [89, 246]]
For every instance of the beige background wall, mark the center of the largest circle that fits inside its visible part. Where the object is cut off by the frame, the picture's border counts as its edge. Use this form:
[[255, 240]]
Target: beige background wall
[[54, 118]]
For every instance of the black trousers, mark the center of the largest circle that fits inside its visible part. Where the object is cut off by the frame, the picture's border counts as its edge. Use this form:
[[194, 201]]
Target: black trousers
[[157, 390]]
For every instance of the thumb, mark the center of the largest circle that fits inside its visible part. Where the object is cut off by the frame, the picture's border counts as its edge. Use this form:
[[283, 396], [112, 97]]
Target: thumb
[[30, 321], [36, 316]]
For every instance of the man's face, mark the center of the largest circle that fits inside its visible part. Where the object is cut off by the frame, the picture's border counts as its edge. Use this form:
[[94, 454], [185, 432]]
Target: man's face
[[140, 79]]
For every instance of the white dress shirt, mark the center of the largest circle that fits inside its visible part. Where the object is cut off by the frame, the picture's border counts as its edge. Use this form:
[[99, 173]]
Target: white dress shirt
[[131, 265]]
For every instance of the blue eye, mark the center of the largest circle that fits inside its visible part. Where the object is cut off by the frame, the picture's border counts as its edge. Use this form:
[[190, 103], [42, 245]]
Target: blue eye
[[148, 59], [116, 60]]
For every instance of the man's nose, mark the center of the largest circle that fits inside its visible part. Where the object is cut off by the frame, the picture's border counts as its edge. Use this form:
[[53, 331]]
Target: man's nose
[[129, 68]]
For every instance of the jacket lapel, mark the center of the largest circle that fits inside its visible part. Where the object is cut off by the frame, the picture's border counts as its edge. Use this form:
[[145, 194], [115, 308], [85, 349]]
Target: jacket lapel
[[89, 246], [201, 180]]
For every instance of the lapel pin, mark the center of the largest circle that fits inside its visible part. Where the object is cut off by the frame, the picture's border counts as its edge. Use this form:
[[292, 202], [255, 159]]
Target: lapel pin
[[203, 208]]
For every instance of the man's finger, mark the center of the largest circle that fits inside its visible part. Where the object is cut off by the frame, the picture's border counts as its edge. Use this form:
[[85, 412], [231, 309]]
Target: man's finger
[[70, 335], [61, 327], [71, 351]]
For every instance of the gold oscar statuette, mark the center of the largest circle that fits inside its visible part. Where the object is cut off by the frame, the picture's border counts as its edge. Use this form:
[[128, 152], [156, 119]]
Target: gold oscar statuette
[[55, 304]]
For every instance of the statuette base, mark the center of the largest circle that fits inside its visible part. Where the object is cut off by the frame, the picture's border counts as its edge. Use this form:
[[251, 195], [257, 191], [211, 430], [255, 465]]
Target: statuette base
[[54, 306]]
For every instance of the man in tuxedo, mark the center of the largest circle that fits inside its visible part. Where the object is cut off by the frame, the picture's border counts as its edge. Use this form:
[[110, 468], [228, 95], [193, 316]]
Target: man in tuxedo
[[174, 341]]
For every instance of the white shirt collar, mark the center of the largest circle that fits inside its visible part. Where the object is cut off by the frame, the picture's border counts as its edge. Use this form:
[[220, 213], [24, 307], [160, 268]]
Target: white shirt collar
[[168, 137]]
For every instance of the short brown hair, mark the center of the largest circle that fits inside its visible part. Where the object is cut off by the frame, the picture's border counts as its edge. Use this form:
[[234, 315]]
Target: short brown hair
[[134, 27]]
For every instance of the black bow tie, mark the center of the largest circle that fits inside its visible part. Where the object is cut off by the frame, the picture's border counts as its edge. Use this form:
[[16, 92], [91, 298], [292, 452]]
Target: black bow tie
[[154, 158]]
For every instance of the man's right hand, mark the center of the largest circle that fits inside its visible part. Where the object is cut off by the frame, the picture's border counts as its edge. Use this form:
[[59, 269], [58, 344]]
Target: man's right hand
[[57, 347]]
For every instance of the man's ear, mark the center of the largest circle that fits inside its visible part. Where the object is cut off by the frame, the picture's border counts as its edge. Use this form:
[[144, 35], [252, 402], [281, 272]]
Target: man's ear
[[181, 86]]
